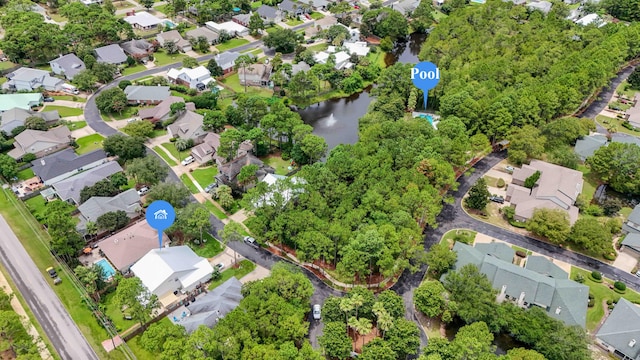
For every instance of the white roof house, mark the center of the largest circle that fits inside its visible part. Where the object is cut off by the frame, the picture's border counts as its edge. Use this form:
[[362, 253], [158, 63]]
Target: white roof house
[[174, 268], [143, 20], [359, 48], [341, 58], [190, 77], [591, 19], [234, 29]]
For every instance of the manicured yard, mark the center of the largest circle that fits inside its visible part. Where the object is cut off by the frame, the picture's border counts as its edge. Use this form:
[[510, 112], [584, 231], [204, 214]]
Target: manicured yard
[[158, 132], [245, 267], [233, 81], [437, 15], [215, 210], [294, 22], [254, 52], [211, 247], [625, 212], [123, 4], [256, 4], [133, 69], [630, 93], [316, 15], [115, 314], [89, 143], [281, 166], [272, 28], [4, 65], [608, 121], [231, 44], [70, 98], [37, 206], [35, 241], [377, 58], [466, 236], [186, 180], [180, 155], [164, 156], [161, 58], [318, 47], [75, 125], [26, 174], [162, 8], [590, 183], [205, 176], [64, 111], [601, 292]]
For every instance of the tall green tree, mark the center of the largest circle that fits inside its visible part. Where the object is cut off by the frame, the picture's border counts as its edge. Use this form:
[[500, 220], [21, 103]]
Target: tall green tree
[[147, 170], [175, 194], [478, 195], [618, 165], [135, 299], [112, 100], [550, 223], [283, 40], [440, 259], [429, 298], [232, 231], [334, 341], [256, 24], [8, 167]]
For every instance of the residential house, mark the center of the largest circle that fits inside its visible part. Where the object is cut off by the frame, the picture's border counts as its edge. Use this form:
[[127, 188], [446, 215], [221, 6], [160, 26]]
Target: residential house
[[232, 28], [341, 59], [147, 95], [143, 21], [544, 266], [498, 250], [209, 309], [406, 7], [242, 19], [631, 244], [15, 117], [67, 65], [21, 101], [633, 114], [359, 48], [162, 111], [66, 163], [69, 189], [620, 332], [91, 2], [111, 54], [196, 78], [557, 188], [40, 143], [543, 6], [587, 146], [188, 126], [173, 35], [269, 15], [227, 61], [138, 49], [211, 36], [206, 151], [228, 172], [301, 66], [281, 189], [129, 245], [632, 225], [255, 75], [127, 201], [294, 8], [319, 4], [175, 268], [561, 298], [27, 79], [321, 24]]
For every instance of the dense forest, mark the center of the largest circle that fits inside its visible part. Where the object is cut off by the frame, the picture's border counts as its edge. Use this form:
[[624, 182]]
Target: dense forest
[[505, 66]]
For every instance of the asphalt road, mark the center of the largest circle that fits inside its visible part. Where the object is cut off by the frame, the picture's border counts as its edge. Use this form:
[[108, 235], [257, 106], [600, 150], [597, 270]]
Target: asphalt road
[[603, 98], [43, 302]]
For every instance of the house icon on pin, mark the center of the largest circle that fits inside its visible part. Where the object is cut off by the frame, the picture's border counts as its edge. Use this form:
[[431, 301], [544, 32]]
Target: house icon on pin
[[160, 214]]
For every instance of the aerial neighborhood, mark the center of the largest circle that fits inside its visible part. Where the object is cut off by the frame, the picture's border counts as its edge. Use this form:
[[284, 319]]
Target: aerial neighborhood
[[266, 179]]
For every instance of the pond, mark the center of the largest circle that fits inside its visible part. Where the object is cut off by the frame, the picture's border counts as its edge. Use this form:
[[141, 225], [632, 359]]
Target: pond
[[336, 120]]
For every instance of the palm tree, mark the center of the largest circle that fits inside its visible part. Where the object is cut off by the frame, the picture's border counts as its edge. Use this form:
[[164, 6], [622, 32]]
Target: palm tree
[[352, 323], [92, 229], [181, 145], [346, 305], [384, 319], [363, 327], [244, 62], [357, 301]]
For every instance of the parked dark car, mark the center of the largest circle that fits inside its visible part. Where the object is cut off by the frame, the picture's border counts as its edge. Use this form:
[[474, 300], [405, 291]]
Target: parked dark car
[[497, 199], [49, 99]]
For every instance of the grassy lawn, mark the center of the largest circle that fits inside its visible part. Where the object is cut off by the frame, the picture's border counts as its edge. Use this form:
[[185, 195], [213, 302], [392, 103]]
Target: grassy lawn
[[164, 156], [115, 314], [437, 15], [131, 183], [26, 174], [215, 210], [186, 180], [37, 206], [64, 111], [590, 183], [318, 47], [625, 212], [276, 162], [316, 15], [491, 181], [377, 58], [601, 292], [161, 8], [294, 22], [161, 58], [123, 4], [89, 143], [158, 132], [606, 121], [133, 69], [3, 80], [105, 117], [272, 28], [233, 43], [75, 125], [630, 93], [233, 81], [245, 267], [180, 155], [4, 65], [35, 241], [205, 176], [211, 247], [256, 4], [464, 235], [70, 98]]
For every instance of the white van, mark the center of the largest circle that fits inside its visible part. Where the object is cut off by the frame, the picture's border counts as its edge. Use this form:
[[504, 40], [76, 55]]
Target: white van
[[68, 88]]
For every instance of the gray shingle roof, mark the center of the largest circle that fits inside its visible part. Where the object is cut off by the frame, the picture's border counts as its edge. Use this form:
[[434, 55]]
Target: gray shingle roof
[[70, 188], [147, 93], [136, 47], [622, 328], [500, 250], [632, 240], [588, 145], [635, 215], [210, 35], [267, 12], [70, 63], [287, 5], [188, 126], [15, 117], [127, 201], [227, 59], [64, 161], [214, 305], [544, 266], [111, 54]]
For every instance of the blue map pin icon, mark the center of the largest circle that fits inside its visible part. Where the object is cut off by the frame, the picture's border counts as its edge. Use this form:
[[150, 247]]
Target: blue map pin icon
[[425, 76], [160, 216]]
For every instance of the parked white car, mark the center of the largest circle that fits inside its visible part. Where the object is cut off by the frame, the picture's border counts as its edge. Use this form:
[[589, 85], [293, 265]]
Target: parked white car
[[188, 161]]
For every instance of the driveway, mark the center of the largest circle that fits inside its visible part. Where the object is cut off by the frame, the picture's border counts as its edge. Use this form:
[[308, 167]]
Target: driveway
[[625, 261]]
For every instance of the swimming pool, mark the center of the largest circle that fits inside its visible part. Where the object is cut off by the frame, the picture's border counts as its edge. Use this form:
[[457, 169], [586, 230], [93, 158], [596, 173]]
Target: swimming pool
[[170, 24], [107, 269], [429, 118]]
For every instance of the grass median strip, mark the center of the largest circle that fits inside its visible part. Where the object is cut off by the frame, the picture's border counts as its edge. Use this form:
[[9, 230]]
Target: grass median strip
[[189, 184], [164, 156]]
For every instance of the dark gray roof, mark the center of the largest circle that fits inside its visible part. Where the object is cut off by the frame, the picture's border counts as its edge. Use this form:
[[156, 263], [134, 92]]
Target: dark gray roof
[[267, 12], [214, 305], [500, 250], [111, 54], [632, 240], [544, 266], [210, 35], [147, 93], [288, 5], [635, 215], [233, 167], [227, 59], [127, 201], [621, 330], [588, 145], [70, 188], [243, 19], [625, 139], [64, 161], [70, 63], [15, 117], [136, 47]]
